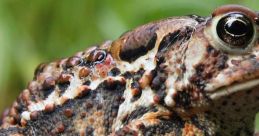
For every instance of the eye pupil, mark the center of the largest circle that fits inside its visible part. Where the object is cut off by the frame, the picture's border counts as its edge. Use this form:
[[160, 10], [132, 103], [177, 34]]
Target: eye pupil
[[236, 30], [236, 27]]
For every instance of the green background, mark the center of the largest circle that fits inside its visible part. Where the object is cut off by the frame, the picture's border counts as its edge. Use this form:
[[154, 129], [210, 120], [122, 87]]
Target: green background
[[35, 31]]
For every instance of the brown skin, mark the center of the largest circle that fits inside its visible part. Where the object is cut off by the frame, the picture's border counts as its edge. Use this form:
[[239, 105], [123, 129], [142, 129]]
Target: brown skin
[[170, 77]]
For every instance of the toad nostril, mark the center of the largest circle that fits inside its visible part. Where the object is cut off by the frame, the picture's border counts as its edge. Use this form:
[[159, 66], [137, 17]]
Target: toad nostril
[[97, 56]]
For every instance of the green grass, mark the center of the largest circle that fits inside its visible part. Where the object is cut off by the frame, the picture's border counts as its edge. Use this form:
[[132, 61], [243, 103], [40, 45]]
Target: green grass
[[34, 31]]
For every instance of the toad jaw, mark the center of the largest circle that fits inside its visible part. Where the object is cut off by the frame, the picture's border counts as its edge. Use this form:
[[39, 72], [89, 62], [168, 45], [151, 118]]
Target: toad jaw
[[243, 66]]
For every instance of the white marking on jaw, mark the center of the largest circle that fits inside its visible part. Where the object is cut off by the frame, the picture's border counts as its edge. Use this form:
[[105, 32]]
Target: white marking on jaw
[[225, 91]]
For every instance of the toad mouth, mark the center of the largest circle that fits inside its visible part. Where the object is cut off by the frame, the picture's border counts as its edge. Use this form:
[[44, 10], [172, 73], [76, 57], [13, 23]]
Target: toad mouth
[[234, 88]]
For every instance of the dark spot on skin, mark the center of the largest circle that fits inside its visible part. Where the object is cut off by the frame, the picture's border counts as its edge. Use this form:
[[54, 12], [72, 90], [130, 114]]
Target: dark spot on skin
[[218, 107], [20, 107], [87, 82], [88, 104], [136, 91], [89, 131], [135, 84], [47, 92], [224, 103], [138, 74], [222, 122], [160, 59], [248, 92], [186, 35], [131, 54], [253, 108], [127, 75], [198, 81], [183, 68], [222, 62], [244, 105], [83, 115], [141, 126], [199, 69], [182, 99], [168, 40], [199, 19], [223, 113], [99, 106], [63, 87], [212, 51], [158, 82], [238, 110], [114, 72], [252, 56]]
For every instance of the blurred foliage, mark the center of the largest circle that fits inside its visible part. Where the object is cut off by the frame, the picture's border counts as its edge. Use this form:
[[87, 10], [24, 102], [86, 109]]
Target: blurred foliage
[[35, 31]]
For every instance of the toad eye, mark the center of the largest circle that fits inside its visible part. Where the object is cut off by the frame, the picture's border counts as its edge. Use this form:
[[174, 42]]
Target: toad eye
[[236, 30], [232, 29], [97, 56]]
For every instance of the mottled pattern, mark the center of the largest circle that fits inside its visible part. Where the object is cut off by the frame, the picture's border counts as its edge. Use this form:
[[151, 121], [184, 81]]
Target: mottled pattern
[[170, 77]]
